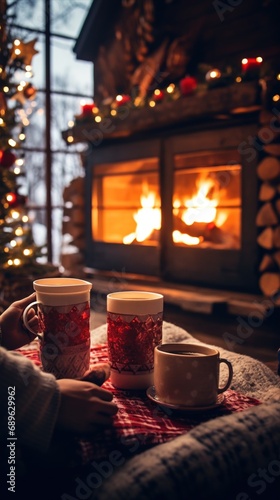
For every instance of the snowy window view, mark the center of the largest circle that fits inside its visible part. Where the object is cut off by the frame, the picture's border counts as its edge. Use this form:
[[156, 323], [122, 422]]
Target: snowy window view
[[50, 164]]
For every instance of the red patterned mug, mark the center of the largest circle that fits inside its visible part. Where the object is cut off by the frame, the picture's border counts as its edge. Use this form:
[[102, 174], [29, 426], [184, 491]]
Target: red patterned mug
[[63, 308], [134, 329]]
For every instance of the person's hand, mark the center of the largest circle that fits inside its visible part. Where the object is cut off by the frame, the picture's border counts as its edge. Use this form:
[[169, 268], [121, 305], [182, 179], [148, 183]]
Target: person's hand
[[14, 333], [83, 406], [98, 374]]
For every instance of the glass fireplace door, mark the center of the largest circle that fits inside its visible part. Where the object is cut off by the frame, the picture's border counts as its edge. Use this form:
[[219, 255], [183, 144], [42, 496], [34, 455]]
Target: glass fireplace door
[[126, 202], [206, 202]]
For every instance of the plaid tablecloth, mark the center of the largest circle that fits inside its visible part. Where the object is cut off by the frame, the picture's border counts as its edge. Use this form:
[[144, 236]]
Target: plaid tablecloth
[[140, 423]]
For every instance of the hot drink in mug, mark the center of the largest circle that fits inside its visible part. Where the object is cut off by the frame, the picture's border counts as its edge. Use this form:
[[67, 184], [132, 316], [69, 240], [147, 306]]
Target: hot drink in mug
[[189, 374], [63, 308]]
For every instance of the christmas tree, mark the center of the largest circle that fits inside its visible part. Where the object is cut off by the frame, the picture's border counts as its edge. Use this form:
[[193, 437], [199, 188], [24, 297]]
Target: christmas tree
[[18, 252]]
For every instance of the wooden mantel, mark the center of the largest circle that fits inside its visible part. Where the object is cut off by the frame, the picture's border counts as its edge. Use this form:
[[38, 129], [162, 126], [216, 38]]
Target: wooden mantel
[[204, 104]]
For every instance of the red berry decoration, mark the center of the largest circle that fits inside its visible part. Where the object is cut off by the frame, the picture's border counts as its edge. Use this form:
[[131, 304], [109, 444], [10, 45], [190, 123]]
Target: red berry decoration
[[188, 85], [7, 158]]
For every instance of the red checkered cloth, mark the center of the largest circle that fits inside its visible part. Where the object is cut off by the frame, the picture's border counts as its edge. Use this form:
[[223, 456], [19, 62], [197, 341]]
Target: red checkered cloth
[[140, 423]]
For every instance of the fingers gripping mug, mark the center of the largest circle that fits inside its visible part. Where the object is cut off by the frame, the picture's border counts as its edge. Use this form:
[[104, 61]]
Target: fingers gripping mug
[[63, 308]]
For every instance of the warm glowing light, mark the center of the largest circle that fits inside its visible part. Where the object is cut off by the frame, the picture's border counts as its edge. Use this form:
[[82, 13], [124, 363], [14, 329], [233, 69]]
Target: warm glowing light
[[276, 97], [6, 89], [19, 231], [21, 136], [238, 79], [10, 197], [185, 238], [200, 208], [170, 89], [17, 170], [221, 218], [71, 124], [215, 73], [27, 252], [137, 101], [28, 67], [17, 262], [12, 143], [113, 112], [152, 104], [157, 92], [19, 161], [70, 138], [17, 42], [25, 218], [17, 52], [147, 218], [119, 98], [98, 118], [259, 59], [13, 243], [278, 76], [25, 122], [15, 214]]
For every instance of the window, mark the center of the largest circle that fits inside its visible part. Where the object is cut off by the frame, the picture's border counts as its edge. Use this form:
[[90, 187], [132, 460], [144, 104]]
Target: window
[[61, 82]]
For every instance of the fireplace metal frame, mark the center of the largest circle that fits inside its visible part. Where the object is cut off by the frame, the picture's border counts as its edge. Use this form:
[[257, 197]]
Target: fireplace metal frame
[[227, 269]]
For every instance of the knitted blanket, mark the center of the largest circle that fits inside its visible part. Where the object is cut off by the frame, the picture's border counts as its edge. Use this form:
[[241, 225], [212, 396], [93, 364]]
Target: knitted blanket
[[235, 456]]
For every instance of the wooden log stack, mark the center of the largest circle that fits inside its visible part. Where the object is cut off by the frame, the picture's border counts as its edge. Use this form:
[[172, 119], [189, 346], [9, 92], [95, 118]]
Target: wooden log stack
[[72, 254], [268, 216]]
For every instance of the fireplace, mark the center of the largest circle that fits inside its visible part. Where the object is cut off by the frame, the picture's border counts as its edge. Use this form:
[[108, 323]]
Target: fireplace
[[183, 154], [180, 205]]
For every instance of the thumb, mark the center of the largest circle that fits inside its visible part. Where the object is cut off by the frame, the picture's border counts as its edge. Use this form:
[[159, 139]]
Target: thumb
[[22, 303], [98, 374]]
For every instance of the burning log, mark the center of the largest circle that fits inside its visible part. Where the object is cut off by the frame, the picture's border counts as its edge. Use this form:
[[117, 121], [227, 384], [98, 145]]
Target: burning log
[[197, 229], [208, 232]]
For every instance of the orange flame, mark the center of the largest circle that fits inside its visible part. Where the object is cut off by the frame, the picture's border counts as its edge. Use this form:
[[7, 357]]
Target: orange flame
[[201, 208]]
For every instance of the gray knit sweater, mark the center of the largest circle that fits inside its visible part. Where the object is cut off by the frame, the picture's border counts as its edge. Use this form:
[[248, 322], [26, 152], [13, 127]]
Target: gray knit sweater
[[29, 400]]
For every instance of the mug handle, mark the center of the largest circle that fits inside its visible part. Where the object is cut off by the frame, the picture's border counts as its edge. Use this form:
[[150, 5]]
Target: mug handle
[[230, 375], [25, 319]]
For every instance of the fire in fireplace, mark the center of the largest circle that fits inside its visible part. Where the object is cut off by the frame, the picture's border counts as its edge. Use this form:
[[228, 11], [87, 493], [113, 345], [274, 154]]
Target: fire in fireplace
[[164, 207], [206, 203]]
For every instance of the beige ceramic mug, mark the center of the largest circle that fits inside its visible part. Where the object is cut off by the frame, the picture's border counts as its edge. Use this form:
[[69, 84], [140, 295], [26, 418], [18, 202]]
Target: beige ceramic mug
[[188, 374], [63, 308]]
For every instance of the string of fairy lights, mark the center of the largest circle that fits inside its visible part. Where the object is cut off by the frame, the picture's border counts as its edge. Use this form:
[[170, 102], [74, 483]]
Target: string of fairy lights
[[17, 103], [250, 69]]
